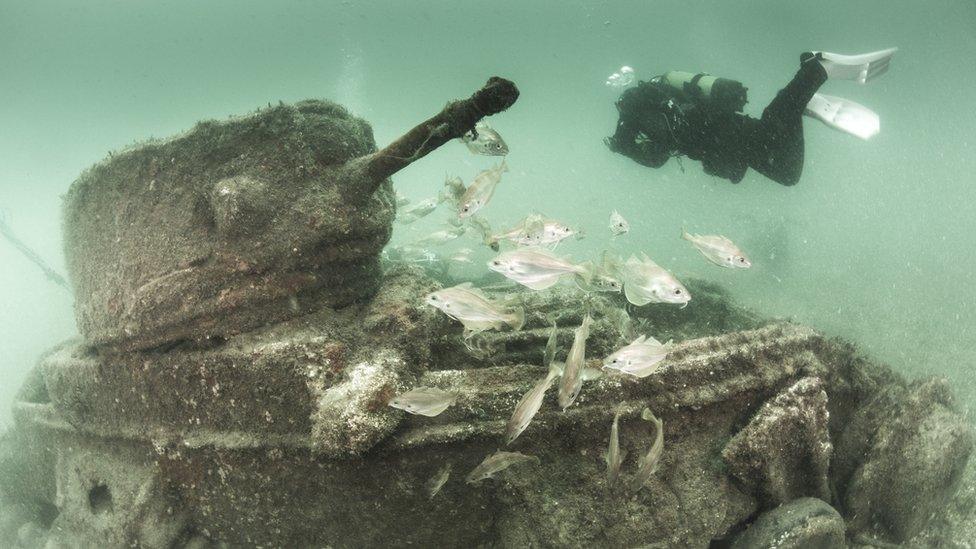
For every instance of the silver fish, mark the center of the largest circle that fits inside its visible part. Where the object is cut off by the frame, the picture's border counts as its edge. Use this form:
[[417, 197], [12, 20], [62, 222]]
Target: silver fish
[[453, 190], [480, 191], [614, 456], [425, 401], [549, 354], [462, 256], [438, 481], [572, 380], [417, 211], [718, 250], [646, 282], [534, 230], [474, 310], [410, 254], [647, 464], [640, 358], [495, 463], [589, 374], [603, 281], [618, 225], [438, 238], [527, 232], [554, 232], [623, 324], [484, 140], [529, 406], [538, 268], [482, 225]]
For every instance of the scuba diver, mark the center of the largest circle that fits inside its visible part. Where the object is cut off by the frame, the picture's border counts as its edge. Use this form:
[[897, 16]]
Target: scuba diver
[[700, 116]]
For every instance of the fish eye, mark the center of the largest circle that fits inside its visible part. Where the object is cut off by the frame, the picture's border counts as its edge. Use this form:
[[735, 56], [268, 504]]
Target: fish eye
[[677, 291]]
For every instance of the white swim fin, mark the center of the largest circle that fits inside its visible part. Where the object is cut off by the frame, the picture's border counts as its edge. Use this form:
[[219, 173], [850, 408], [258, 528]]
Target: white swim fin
[[844, 115], [861, 68]]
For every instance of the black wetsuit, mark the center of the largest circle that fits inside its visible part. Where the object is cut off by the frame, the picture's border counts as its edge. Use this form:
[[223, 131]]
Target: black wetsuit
[[657, 122]]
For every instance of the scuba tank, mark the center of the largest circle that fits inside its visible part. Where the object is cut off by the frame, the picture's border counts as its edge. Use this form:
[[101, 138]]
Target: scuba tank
[[721, 94]]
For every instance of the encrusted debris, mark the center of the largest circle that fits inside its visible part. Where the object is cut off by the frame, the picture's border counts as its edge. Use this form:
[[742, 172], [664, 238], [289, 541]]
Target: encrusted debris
[[784, 452]]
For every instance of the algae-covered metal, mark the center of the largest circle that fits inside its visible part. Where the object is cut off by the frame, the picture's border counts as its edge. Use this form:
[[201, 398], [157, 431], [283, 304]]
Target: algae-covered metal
[[241, 346], [242, 222]]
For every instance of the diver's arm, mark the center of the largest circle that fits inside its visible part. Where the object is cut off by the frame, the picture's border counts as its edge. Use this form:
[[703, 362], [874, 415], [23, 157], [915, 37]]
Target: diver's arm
[[645, 152]]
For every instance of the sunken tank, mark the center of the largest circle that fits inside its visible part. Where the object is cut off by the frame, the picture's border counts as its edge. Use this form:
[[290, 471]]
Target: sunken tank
[[241, 341]]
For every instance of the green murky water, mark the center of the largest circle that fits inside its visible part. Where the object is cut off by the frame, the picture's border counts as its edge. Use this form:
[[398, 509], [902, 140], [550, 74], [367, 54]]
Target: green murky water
[[874, 244]]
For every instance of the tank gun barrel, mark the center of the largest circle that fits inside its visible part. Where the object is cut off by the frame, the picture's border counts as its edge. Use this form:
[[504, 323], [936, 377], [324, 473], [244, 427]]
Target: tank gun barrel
[[497, 95]]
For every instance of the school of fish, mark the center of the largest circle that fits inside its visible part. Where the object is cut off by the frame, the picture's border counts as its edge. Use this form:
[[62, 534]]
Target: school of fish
[[533, 263]]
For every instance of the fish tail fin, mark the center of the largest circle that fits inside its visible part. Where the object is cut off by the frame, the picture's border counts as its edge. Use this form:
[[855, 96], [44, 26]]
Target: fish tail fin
[[554, 371], [610, 262], [685, 235], [648, 415], [583, 282], [516, 318], [590, 374], [587, 322], [585, 272], [490, 240], [484, 227]]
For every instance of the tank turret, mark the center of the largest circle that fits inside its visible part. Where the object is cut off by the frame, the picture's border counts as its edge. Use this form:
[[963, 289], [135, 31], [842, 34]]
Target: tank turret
[[242, 222]]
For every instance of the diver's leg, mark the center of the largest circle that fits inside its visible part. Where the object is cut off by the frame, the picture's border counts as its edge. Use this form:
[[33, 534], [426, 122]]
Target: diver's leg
[[776, 145], [789, 103]]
